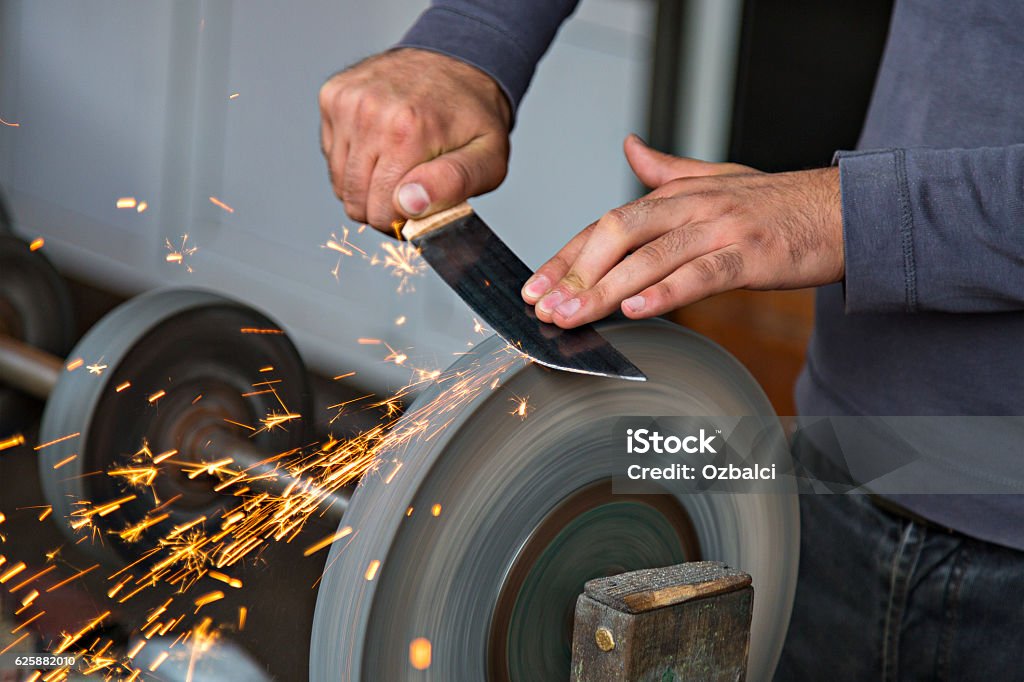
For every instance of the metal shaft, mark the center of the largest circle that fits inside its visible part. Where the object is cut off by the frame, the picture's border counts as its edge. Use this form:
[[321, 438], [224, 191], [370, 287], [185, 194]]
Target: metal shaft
[[27, 368], [37, 372]]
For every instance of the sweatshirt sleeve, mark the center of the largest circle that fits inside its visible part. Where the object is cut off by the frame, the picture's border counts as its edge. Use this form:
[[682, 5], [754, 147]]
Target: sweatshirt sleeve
[[937, 230], [503, 38]]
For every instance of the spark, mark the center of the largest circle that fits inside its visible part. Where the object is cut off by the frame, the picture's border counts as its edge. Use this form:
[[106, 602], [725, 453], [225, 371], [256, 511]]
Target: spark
[[400, 320], [126, 202], [10, 124], [363, 341], [156, 396], [68, 640], [66, 460], [180, 253], [419, 653], [371, 570], [57, 440], [71, 579], [243, 613], [75, 364], [478, 327], [141, 208], [36, 244], [123, 387], [220, 204], [14, 441], [435, 510], [255, 330], [327, 541], [96, 367], [233, 95], [522, 407], [12, 571], [208, 598]]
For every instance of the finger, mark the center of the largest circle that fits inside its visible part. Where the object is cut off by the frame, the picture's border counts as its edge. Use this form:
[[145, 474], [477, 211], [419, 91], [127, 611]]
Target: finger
[[355, 184], [654, 168], [643, 268], [452, 177], [710, 274], [380, 207], [555, 268], [617, 233]]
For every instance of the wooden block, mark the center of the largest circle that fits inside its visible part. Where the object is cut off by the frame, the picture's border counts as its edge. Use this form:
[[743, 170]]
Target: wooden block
[[685, 622]]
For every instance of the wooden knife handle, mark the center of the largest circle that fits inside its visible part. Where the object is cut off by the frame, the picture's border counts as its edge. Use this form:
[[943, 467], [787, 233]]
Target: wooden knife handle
[[420, 226]]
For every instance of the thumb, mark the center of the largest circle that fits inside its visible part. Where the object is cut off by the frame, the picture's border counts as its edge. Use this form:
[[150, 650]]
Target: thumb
[[655, 168], [451, 178]]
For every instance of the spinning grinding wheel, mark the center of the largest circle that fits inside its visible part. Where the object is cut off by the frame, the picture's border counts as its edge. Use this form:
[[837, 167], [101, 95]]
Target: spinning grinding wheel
[[187, 344], [527, 515]]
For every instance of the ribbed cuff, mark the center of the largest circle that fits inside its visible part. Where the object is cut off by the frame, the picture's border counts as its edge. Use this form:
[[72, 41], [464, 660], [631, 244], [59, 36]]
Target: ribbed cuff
[[476, 42], [877, 232]]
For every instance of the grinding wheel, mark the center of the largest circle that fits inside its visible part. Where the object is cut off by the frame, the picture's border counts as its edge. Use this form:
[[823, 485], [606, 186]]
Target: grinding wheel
[[35, 307], [527, 515], [188, 344]]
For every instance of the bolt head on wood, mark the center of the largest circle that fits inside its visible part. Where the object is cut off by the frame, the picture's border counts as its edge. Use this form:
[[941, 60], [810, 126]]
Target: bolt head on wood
[[605, 640]]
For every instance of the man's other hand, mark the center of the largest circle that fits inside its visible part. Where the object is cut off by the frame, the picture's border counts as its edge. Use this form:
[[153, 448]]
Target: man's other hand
[[410, 132], [705, 229]]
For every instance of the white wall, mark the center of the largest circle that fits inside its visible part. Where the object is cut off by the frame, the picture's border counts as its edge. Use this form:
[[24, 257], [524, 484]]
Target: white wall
[[119, 98]]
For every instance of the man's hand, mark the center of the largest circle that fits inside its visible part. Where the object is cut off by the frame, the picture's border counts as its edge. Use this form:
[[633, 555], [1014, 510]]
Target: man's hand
[[410, 132], [706, 228]]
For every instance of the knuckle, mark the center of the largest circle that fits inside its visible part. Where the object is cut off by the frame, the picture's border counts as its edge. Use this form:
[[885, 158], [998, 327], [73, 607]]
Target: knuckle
[[652, 255], [405, 125], [616, 223], [456, 175], [573, 281]]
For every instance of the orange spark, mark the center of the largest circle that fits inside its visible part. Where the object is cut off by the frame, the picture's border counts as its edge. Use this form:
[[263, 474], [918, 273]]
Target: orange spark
[[123, 387], [255, 330], [75, 364], [12, 442], [9, 124], [36, 244], [220, 204], [419, 653], [243, 613], [66, 460], [57, 440], [208, 598], [126, 202], [371, 570], [436, 510], [330, 539], [156, 396]]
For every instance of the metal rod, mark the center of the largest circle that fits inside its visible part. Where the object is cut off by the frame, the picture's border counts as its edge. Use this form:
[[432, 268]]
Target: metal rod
[[28, 368], [37, 372]]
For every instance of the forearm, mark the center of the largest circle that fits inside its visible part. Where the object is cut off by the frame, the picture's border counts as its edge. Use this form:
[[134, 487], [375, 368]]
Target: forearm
[[934, 230], [503, 38]]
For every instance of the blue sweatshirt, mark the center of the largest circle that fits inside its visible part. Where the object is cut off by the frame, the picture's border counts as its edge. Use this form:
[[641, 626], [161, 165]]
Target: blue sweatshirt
[[930, 317]]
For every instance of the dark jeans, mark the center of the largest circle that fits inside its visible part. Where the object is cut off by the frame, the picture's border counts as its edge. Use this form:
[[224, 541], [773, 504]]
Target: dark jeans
[[882, 597]]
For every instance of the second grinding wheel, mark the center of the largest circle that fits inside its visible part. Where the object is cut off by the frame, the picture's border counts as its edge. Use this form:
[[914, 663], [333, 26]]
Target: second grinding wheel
[[472, 540]]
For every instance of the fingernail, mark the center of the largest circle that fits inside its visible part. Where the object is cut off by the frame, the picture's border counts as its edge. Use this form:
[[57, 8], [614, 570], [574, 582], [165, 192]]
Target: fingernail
[[551, 301], [413, 198], [635, 303], [537, 286], [569, 308]]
